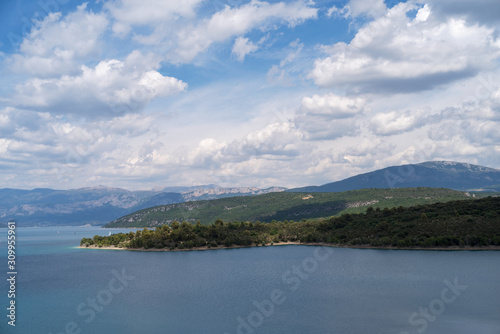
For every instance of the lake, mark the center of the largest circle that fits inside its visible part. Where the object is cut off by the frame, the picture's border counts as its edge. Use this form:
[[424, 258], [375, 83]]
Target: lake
[[274, 289]]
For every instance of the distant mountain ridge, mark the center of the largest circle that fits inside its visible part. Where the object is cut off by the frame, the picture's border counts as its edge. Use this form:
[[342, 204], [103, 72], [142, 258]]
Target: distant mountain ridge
[[435, 174], [99, 205]]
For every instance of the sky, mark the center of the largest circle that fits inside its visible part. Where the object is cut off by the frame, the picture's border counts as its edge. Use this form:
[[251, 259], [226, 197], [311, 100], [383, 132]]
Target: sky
[[155, 93]]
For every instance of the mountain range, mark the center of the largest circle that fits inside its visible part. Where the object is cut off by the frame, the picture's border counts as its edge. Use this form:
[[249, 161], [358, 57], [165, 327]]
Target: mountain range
[[435, 174], [100, 205]]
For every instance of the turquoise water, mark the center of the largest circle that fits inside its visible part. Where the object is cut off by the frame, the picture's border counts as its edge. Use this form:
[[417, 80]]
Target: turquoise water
[[280, 289]]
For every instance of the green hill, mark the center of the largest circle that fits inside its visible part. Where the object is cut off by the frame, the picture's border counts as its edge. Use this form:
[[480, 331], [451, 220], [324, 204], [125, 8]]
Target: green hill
[[285, 206], [458, 224]]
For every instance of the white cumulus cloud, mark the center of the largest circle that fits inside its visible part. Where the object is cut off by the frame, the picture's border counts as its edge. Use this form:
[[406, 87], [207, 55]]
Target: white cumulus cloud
[[333, 105], [243, 46], [111, 87], [231, 22], [329, 116], [395, 53], [360, 8], [129, 13], [58, 43], [395, 122]]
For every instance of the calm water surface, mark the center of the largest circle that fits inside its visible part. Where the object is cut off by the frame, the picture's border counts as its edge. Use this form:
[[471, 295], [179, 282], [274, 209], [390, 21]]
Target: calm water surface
[[285, 289]]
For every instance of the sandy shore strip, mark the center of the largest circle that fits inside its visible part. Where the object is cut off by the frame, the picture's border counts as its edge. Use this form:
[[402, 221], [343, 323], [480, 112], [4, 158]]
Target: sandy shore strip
[[103, 247], [451, 248]]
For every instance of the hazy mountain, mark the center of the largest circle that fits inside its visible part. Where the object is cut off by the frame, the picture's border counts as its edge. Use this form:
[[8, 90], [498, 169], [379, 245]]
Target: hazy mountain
[[75, 206], [98, 205], [436, 174]]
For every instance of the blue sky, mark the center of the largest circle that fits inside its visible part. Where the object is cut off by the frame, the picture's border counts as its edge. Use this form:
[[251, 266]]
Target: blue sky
[[154, 93]]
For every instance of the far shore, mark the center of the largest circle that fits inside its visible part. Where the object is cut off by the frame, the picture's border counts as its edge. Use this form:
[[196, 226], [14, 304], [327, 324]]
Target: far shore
[[451, 248]]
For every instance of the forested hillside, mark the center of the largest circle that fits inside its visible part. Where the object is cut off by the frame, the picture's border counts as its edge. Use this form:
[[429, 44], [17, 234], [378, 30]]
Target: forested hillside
[[284, 206], [466, 223]]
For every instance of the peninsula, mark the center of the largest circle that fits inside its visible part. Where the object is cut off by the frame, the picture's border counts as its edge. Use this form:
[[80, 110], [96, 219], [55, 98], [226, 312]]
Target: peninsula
[[463, 224]]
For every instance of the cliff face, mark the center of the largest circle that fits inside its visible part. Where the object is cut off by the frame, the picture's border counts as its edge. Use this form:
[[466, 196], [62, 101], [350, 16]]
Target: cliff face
[[218, 192]]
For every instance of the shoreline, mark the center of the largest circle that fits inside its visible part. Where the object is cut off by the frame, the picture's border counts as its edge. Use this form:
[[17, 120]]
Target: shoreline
[[451, 248]]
